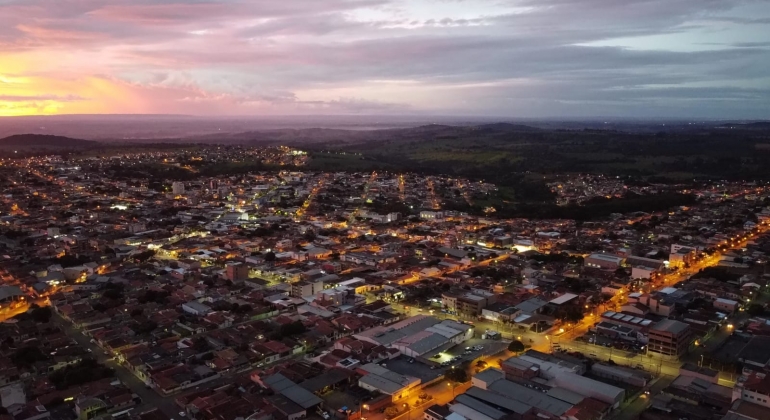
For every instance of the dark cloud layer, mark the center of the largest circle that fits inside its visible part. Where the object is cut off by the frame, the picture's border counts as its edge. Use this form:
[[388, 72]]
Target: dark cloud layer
[[532, 58]]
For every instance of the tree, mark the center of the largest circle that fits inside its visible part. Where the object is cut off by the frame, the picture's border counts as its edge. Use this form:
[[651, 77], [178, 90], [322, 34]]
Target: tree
[[755, 309], [574, 315], [516, 346], [86, 371], [27, 356], [270, 256], [289, 330], [391, 411], [457, 375], [144, 255], [41, 315], [113, 294]]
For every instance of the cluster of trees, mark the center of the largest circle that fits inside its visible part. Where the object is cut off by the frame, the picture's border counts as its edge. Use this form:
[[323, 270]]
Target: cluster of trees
[[144, 255], [236, 168], [36, 314], [241, 309], [723, 274], [157, 296], [86, 371], [289, 330], [27, 356], [601, 207], [516, 346], [560, 257], [460, 373]]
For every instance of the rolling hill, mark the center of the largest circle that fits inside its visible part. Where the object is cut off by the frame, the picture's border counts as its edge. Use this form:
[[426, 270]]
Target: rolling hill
[[44, 141]]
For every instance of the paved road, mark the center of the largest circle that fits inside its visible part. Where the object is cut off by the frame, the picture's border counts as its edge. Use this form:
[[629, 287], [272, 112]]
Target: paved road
[[634, 408], [442, 393], [150, 399]]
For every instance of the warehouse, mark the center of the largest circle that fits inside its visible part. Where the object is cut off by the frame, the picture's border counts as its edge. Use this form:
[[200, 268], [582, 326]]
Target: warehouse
[[588, 387]]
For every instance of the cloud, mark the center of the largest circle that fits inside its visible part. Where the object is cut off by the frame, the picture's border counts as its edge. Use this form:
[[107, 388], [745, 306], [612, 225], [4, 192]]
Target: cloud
[[514, 57], [57, 98]]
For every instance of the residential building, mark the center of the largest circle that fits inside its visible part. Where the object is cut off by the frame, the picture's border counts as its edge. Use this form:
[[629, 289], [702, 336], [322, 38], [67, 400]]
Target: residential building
[[669, 338]]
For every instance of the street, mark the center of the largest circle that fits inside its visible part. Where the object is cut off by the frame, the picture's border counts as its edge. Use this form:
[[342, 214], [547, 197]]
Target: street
[[632, 410], [150, 399]]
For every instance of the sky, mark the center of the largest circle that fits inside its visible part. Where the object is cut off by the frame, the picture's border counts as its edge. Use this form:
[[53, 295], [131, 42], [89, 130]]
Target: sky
[[700, 59]]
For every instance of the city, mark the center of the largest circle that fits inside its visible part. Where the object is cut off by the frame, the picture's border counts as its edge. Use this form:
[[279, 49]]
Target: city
[[384, 210], [145, 285]]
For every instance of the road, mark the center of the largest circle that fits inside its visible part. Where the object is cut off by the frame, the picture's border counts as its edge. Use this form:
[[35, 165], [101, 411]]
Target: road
[[150, 399], [632, 409], [442, 392]]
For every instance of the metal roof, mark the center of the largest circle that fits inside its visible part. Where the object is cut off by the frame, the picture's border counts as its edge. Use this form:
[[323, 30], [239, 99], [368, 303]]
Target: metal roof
[[497, 400], [513, 391]]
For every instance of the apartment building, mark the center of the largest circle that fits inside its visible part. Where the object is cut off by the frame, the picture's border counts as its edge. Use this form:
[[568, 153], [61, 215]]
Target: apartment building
[[669, 338]]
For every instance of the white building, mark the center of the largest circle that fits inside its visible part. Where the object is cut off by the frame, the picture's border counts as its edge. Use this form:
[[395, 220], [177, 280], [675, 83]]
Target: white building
[[177, 187]]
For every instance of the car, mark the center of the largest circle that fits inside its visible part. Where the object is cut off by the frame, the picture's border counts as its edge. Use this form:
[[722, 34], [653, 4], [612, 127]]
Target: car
[[468, 348], [89, 350], [411, 361], [325, 415], [182, 414]]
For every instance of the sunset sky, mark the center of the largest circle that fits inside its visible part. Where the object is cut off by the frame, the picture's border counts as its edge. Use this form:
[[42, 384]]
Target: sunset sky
[[512, 58]]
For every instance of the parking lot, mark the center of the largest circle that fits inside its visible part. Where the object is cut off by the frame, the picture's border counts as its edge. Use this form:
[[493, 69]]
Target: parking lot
[[416, 369], [604, 341], [469, 350]]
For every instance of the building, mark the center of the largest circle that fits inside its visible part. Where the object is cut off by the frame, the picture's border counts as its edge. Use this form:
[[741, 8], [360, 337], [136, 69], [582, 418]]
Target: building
[[177, 188], [682, 255], [645, 268], [755, 389], [603, 261], [196, 308], [545, 367], [431, 215], [295, 394], [669, 338], [436, 412], [304, 288], [418, 335], [10, 294], [726, 305], [380, 379], [588, 387], [137, 227], [468, 304], [237, 271]]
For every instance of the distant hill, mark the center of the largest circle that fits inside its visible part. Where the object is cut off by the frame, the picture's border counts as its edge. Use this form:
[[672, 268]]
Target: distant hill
[[505, 127], [759, 125], [45, 141]]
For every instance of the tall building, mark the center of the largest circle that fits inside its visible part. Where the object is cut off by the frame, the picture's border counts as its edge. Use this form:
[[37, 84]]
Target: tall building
[[669, 338], [237, 271], [306, 288], [177, 187]]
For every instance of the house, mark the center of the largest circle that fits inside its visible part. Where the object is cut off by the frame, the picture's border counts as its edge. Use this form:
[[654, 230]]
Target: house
[[603, 261], [196, 308]]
